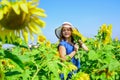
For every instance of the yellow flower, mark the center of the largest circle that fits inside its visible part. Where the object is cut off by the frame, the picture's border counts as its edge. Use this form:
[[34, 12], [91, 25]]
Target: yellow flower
[[107, 40], [84, 76], [72, 67], [96, 44], [110, 28], [57, 54], [48, 44], [41, 39], [76, 33], [20, 18], [103, 28], [105, 33]]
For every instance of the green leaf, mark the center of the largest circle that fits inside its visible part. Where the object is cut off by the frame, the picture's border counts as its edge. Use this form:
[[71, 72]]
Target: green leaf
[[12, 73], [108, 47], [14, 58], [114, 65], [26, 74], [53, 67], [92, 55], [1, 53]]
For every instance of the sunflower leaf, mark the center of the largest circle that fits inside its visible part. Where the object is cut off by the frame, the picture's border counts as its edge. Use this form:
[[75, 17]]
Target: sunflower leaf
[[14, 58]]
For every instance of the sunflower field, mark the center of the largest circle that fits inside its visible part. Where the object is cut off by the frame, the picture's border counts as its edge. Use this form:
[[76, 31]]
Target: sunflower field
[[21, 19]]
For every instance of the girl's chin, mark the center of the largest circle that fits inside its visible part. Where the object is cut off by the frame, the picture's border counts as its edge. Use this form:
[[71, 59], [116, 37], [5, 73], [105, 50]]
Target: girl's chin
[[67, 36]]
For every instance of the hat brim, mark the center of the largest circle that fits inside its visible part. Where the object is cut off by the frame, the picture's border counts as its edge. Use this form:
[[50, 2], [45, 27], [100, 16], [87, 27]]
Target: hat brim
[[58, 31]]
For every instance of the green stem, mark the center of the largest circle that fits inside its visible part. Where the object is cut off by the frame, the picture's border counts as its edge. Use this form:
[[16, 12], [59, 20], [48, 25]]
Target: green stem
[[35, 73], [38, 69]]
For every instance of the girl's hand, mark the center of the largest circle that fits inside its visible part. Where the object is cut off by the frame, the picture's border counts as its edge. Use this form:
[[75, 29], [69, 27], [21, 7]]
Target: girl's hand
[[80, 42], [83, 45], [76, 47]]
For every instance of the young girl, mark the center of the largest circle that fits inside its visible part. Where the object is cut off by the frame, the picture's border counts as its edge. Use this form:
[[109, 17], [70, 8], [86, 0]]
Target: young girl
[[67, 47]]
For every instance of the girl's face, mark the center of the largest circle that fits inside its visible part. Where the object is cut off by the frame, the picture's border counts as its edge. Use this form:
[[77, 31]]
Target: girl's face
[[66, 31]]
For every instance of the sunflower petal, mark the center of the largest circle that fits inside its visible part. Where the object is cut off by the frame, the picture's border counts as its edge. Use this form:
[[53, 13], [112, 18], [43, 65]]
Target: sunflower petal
[[13, 37], [34, 28], [24, 7], [16, 8], [39, 14], [5, 2], [31, 36], [5, 9], [38, 11], [25, 35], [17, 33], [39, 22], [1, 14], [34, 8]]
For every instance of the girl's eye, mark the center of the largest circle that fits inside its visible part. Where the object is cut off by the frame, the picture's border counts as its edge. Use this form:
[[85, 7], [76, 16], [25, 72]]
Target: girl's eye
[[66, 30]]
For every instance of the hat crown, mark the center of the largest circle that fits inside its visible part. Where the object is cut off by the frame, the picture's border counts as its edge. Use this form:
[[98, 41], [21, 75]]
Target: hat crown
[[67, 23]]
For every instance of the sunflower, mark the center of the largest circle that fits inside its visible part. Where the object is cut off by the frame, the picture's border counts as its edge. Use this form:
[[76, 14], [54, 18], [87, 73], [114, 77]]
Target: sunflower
[[105, 33], [77, 35], [41, 39], [20, 18], [48, 43]]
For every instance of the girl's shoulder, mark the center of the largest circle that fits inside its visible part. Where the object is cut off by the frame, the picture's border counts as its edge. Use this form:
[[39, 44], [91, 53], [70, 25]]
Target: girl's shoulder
[[62, 42], [65, 43]]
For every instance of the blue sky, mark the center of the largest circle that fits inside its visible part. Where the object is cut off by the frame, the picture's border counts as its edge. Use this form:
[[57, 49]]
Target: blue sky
[[86, 15]]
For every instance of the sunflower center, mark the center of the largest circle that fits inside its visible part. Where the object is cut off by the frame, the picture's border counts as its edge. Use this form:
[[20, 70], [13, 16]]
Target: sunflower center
[[13, 21]]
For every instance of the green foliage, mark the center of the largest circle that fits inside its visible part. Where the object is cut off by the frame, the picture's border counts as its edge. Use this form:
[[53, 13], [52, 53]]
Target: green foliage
[[22, 63], [101, 62]]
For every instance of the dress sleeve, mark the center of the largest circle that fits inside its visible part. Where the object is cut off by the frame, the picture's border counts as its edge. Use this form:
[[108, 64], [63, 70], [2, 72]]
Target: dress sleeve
[[62, 43]]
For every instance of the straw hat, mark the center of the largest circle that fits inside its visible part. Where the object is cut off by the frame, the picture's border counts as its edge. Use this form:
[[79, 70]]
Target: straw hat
[[58, 30]]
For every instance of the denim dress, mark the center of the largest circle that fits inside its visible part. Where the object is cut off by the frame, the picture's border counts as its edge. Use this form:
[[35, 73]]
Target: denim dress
[[69, 48]]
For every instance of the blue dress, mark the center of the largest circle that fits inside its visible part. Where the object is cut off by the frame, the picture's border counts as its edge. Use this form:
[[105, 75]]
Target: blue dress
[[69, 48]]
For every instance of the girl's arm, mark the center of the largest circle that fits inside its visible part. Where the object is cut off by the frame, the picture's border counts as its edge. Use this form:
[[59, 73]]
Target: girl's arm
[[83, 45], [62, 52]]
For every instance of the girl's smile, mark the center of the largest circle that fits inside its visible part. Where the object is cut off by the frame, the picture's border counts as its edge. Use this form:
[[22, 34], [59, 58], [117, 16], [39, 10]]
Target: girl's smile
[[66, 32]]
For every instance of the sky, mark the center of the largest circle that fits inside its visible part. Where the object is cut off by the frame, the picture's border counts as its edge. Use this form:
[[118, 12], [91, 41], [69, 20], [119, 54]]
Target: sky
[[86, 15]]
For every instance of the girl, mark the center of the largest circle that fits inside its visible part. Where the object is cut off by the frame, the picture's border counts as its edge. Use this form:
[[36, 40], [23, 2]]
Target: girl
[[67, 47]]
